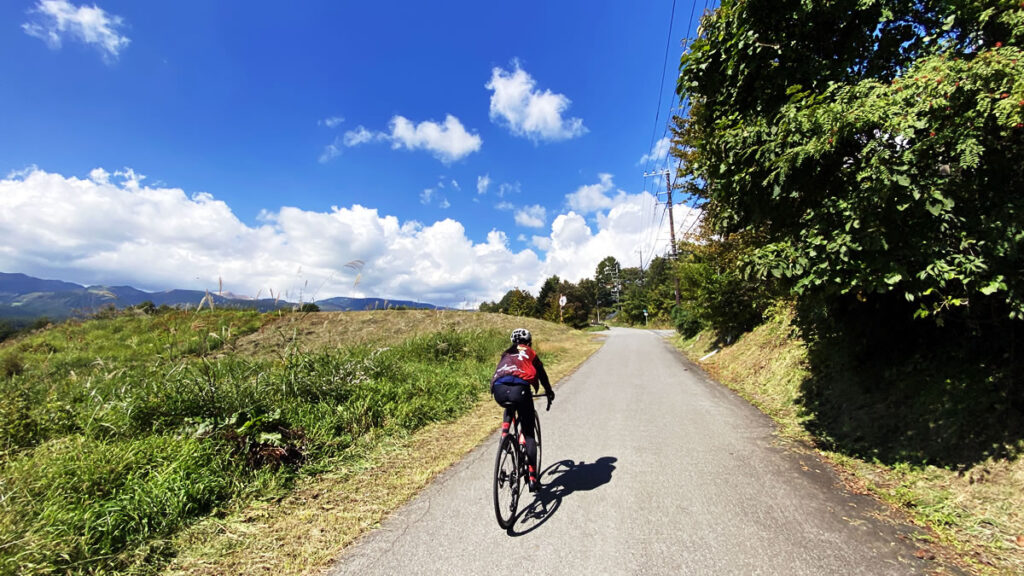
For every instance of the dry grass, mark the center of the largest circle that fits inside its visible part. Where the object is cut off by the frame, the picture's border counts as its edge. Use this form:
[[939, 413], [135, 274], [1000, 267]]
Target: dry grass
[[318, 331], [307, 530], [976, 513]]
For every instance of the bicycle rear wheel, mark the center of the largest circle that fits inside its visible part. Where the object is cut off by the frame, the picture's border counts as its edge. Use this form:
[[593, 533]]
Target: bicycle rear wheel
[[506, 481]]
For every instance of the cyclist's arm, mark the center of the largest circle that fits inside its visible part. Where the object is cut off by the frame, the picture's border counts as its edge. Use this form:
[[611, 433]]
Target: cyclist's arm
[[542, 375]]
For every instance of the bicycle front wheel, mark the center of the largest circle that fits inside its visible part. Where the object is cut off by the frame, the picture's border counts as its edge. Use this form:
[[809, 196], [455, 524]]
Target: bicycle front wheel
[[506, 482]]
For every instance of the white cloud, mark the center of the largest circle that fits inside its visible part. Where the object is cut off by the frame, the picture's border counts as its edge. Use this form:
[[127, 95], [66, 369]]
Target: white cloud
[[508, 188], [361, 136], [531, 216], [53, 20], [331, 122], [331, 151], [448, 142], [112, 228], [350, 139], [99, 176], [455, 184], [594, 197], [658, 153], [508, 206], [429, 195], [528, 112], [482, 182]]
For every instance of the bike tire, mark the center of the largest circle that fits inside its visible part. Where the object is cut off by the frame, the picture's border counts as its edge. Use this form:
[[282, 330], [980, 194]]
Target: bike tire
[[506, 482]]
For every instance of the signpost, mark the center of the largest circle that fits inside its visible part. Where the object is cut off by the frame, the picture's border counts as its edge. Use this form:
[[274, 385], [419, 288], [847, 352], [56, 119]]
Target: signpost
[[561, 305]]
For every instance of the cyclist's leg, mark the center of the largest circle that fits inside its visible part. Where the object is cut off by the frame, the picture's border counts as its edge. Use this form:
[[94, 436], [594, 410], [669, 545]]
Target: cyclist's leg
[[526, 419], [506, 420], [502, 395]]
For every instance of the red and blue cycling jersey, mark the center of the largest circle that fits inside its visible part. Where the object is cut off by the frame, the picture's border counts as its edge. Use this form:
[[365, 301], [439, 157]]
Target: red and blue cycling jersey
[[516, 367]]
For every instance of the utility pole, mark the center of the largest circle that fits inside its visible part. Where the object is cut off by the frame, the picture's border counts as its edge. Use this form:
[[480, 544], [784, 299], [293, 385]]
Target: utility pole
[[671, 220]]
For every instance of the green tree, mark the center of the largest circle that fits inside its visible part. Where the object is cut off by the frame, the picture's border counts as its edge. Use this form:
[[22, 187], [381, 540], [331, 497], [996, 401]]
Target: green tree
[[875, 149], [607, 277], [590, 295], [517, 302], [578, 303], [547, 299]]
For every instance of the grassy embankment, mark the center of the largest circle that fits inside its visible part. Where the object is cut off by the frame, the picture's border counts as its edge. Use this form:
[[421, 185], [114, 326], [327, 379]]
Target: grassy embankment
[[213, 438], [909, 444]]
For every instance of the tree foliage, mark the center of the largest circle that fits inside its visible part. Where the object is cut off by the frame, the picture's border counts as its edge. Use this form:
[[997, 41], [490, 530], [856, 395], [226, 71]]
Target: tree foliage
[[874, 148]]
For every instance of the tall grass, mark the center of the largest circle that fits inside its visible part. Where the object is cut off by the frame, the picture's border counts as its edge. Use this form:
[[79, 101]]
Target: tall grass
[[116, 433]]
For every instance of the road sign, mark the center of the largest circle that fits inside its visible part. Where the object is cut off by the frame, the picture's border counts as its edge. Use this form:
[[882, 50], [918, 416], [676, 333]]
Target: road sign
[[562, 301]]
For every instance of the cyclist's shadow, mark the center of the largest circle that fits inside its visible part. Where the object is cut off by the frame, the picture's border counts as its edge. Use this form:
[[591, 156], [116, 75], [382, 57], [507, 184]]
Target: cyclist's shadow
[[558, 481]]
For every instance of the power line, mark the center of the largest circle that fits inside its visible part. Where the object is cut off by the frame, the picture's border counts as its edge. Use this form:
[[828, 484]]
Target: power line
[[653, 235], [657, 110], [664, 67]]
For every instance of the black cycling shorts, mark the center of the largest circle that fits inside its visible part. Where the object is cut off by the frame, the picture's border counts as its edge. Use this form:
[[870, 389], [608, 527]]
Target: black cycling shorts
[[512, 395], [516, 398]]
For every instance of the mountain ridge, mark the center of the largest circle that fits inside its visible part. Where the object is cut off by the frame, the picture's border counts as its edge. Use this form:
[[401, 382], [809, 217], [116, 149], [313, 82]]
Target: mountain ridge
[[27, 297]]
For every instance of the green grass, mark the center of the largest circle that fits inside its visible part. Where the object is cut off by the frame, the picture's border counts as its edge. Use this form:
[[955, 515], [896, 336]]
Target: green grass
[[117, 433]]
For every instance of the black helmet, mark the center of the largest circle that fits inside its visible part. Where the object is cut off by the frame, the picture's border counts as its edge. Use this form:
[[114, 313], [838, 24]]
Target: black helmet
[[521, 336]]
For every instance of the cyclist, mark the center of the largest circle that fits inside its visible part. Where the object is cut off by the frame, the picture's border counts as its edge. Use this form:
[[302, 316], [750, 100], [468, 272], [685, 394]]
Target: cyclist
[[518, 370]]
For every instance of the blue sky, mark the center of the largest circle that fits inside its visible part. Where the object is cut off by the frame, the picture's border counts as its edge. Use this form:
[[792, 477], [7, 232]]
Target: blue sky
[[457, 149]]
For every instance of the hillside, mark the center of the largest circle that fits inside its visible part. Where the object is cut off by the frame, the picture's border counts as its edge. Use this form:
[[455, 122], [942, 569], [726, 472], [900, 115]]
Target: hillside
[[118, 434]]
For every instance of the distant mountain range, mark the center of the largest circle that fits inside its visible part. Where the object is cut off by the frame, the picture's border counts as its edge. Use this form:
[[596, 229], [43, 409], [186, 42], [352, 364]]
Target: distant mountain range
[[24, 297]]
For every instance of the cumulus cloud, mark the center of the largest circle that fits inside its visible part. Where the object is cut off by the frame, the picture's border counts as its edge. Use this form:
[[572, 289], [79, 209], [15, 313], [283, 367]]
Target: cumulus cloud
[[482, 183], [448, 142], [658, 153], [528, 112], [531, 216], [595, 197], [112, 228], [54, 20]]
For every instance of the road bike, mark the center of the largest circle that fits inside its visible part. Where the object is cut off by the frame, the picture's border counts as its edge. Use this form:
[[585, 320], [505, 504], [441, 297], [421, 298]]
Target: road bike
[[511, 468]]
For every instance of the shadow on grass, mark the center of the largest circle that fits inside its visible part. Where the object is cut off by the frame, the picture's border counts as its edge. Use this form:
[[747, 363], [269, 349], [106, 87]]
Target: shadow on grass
[[949, 395]]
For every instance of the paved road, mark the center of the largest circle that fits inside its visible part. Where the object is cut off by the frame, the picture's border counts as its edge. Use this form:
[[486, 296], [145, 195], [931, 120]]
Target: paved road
[[650, 468]]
